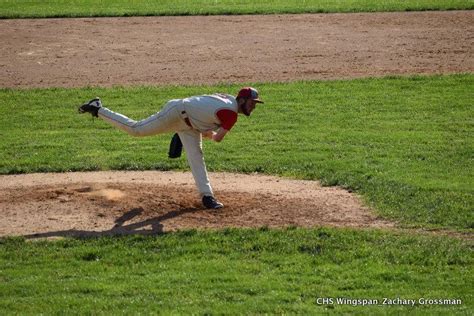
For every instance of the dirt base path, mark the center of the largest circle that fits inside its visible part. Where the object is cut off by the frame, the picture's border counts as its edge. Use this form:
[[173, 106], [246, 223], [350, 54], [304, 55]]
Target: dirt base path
[[213, 49], [150, 202]]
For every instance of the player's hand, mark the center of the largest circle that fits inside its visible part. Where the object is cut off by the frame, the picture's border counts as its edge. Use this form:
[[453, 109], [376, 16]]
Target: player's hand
[[215, 136], [208, 134]]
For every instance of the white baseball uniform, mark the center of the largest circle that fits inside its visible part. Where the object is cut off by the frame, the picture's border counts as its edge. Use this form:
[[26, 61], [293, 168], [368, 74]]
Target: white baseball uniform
[[188, 117]]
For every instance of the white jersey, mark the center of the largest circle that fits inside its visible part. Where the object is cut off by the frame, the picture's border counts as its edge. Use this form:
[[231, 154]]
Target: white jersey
[[202, 110]]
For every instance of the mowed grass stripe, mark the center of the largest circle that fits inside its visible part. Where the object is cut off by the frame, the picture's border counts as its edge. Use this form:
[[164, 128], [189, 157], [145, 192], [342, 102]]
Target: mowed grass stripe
[[405, 144], [237, 271], [89, 8]]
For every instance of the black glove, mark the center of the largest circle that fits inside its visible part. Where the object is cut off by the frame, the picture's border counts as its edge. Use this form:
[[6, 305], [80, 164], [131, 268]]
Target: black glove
[[176, 147]]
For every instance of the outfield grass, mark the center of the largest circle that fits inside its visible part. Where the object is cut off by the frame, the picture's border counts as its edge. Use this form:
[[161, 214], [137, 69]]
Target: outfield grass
[[234, 272], [405, 144], [86, 8]]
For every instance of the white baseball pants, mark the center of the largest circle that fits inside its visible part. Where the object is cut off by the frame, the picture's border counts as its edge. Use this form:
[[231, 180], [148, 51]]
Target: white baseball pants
[[169, 119]]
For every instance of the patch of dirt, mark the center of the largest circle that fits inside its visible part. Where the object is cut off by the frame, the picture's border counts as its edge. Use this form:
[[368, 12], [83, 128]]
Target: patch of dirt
[[150, 202], [215, 49]]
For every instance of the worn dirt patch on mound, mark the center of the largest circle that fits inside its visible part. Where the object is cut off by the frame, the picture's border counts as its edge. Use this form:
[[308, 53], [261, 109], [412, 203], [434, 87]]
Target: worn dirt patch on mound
[[103, 203]]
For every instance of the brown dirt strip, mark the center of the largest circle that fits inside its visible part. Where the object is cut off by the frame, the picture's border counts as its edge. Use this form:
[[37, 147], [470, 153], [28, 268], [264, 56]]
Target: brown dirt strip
[[214, 49]]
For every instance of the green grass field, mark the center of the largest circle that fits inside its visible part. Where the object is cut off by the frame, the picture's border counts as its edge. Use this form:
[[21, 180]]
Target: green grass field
[[235, 272], [85, 8], [404, 144]]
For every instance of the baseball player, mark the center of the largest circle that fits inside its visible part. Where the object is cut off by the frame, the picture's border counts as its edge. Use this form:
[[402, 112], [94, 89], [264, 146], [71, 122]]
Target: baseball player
[[209, 116]]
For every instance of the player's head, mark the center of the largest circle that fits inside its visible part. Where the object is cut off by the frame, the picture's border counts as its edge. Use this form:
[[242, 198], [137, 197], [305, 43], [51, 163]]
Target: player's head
[[247, 99]]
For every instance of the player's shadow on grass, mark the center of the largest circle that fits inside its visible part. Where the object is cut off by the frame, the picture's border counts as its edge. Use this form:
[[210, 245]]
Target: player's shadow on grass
[[120, 228]]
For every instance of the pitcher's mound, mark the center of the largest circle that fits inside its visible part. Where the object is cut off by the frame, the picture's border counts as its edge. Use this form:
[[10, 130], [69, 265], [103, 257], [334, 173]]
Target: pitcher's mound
[[150, 202]]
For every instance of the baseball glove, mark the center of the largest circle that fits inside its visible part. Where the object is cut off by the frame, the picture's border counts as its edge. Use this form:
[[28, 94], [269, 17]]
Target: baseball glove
[[176, 147]]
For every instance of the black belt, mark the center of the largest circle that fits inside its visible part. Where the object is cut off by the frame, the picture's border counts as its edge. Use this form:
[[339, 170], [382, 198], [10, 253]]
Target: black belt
[[186, 119]]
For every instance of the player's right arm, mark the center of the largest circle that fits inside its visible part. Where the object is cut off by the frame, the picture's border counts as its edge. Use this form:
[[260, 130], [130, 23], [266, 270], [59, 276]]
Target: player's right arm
[[216, 136], [219, 135]]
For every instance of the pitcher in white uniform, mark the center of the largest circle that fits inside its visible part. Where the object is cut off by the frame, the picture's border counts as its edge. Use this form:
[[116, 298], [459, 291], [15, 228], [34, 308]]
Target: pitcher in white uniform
[[211, 116]]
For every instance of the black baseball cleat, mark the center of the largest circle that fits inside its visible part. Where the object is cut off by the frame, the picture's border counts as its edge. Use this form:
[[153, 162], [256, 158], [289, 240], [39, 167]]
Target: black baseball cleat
[[91, 107], [211, 203]]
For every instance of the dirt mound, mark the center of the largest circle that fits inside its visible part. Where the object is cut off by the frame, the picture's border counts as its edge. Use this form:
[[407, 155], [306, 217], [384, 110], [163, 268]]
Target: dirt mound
[[102, 203]]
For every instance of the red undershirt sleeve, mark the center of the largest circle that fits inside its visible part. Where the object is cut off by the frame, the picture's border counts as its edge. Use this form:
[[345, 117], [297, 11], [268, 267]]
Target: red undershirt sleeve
[[227, 118]]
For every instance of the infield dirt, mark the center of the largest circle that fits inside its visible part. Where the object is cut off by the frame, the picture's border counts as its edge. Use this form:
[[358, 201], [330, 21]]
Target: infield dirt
[[207, 50], [214, 49]]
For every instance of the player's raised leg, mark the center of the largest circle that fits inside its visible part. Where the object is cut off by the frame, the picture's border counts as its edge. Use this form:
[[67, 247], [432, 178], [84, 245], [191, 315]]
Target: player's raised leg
[[167, 120]]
